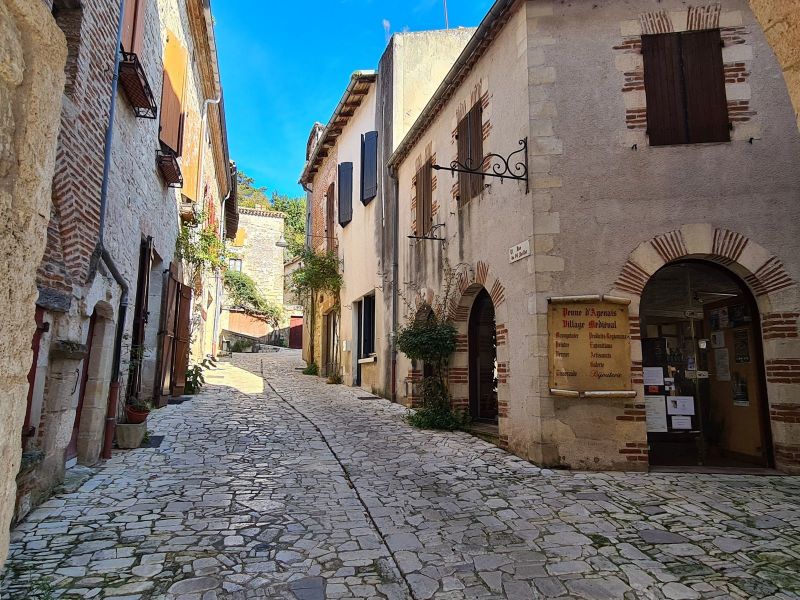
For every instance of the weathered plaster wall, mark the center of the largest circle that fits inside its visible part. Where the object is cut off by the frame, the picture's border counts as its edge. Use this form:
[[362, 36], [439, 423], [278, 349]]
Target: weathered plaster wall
[[780, 20], [601, 197], [31, 80], [478, 233]]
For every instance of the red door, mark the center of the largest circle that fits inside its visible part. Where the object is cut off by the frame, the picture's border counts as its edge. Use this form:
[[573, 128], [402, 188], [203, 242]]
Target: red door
[[72, 449], [296, 333]]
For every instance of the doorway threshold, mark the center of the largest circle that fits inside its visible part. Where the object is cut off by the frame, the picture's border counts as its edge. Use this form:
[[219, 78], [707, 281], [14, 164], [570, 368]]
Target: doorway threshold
[[488, 432], [710, 470]]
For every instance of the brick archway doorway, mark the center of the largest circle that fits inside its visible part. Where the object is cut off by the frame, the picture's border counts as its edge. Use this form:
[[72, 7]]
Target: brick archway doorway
[[483, 406], [704, 376]]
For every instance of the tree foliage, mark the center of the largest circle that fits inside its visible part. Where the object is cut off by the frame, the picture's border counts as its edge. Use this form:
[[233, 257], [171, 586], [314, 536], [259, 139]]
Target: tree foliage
[[243, 293], [319, 272], [200, 250]]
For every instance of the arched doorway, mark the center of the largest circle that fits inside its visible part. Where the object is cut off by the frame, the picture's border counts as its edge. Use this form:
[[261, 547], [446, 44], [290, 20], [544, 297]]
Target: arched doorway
[[704, 373], [483, 405]]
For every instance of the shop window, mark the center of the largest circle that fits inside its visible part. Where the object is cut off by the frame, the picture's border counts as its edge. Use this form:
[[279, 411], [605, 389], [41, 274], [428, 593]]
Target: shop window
[[470, 152], [685, 88], [424, 198], [235, 264]]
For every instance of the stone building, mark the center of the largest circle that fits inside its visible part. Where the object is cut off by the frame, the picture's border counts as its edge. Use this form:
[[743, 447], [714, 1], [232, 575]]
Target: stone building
[[137, 155], [31, 80], [626, 296], [349, 199], [255, 252]]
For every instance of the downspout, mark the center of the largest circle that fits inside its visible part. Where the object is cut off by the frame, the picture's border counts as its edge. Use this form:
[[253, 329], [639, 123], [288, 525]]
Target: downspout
[[395, 275], [105, 256]]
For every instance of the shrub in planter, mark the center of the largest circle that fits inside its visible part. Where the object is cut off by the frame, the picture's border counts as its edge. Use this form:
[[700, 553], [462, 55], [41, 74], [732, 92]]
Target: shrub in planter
[[137, 412], [194, 379], [311, 369]]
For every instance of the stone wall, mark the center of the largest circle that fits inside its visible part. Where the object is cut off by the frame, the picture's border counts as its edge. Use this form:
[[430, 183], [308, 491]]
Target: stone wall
[[31, 79], [781, 22]]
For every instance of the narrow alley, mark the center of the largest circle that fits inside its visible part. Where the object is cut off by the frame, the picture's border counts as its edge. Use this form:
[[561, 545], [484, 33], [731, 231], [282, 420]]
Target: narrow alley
[[298, 489]]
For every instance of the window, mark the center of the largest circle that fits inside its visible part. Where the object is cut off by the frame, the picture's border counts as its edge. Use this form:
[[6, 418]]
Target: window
[[171, 124], [369, 166], [235, 264], [367, 329], [684, 83], [425, 198], [345, 193], [470, 152]]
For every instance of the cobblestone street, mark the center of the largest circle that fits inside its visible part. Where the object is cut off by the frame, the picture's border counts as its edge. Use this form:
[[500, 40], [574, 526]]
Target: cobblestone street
[[305, 491]]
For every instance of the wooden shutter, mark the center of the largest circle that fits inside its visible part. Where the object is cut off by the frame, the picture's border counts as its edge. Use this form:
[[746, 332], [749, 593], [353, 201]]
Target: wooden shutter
[[133, 26], [369, 166], [424, 198], [476, 148], [330, 238], [663, 83], [181, 361], [140, 315], [345, 193], [175, 60], [704, 77], [169, 310], [462, 140]]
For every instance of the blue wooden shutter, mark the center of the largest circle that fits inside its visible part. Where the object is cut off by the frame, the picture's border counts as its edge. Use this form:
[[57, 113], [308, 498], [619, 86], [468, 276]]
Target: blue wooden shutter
[[369, 166], [345, 193]]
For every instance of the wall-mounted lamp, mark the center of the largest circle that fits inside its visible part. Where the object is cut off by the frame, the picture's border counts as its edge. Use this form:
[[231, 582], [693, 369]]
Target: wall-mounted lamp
[[282, 243]]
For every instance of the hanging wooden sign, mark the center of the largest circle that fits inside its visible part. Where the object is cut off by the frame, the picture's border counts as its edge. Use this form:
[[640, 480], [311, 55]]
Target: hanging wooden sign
[[589, 347]]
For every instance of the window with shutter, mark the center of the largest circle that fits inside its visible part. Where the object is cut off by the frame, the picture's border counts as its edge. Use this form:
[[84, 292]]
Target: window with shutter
[[345, 193], [369, 166], [368, 327], [425, 198], [133, 26], [175, 61], [470, 152], [685, 87]]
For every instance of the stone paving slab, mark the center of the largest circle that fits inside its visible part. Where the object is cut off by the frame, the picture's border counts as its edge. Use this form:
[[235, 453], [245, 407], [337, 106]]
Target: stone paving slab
[[304, 491]]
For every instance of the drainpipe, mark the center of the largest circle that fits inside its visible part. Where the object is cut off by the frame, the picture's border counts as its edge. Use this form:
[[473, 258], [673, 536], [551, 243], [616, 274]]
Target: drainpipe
[[105, 256], [395, 275]]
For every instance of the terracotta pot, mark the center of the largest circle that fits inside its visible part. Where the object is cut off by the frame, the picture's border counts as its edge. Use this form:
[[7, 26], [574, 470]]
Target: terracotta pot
[[135, 416]]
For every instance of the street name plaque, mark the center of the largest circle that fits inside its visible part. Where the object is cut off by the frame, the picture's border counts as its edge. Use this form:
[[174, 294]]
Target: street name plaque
[[589, 347]]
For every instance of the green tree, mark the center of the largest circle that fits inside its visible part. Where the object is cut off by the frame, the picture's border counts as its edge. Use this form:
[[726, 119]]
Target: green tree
[[243, 293]]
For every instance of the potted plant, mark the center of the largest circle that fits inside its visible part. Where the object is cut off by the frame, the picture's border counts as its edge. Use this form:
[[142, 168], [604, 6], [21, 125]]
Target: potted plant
[[136, 411]]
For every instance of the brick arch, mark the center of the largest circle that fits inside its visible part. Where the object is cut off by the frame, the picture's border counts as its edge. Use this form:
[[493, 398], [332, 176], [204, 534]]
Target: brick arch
[[777, 295], [470, 281]]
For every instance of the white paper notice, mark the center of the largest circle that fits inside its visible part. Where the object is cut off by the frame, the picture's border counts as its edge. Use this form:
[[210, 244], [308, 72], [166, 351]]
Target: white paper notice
[[656, 413], [680, 405], [722, 361], [717, 339], [681, 422], [653, 376]]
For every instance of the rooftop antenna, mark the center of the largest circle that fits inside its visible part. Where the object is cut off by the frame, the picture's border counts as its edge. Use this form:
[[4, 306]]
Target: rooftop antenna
[[446, 20]]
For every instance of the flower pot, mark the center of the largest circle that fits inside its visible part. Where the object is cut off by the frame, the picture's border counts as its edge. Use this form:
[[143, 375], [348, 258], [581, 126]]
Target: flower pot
[[135, 416], [130, 435]]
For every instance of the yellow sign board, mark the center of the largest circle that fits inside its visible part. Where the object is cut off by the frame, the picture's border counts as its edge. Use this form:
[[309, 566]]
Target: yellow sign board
[[589, 346]]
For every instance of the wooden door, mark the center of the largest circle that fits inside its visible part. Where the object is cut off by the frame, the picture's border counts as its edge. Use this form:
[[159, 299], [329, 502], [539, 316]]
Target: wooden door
[[182, 339], [72, 449], [169, 311], [296, 333], [140, 317]]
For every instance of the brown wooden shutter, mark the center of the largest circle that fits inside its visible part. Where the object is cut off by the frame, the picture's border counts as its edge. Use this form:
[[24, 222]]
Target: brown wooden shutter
[[704, 77], [182, 340], [663, 82], [169, 310], [419, 229], [133, 26], [427, 197], [476, 148], [175, 61], [462, 140]]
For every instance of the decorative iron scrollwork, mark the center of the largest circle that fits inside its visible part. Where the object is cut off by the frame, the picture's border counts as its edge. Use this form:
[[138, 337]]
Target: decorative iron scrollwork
[[504, 167]]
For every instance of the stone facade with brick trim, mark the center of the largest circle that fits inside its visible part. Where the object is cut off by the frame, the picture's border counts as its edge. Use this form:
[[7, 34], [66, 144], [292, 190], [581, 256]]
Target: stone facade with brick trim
[[76, 288], [606, 211]]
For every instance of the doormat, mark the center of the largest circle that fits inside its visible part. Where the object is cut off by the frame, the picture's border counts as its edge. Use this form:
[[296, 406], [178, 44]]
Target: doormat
[[153, 442], [179, 399], [369, 398]]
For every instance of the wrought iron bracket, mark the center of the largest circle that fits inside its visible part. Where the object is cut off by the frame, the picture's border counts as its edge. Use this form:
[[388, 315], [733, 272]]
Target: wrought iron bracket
[[504, 167], [430, 237]]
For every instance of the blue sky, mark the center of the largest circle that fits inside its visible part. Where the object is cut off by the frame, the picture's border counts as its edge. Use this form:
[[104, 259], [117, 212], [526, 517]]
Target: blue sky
[[285, 65]]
